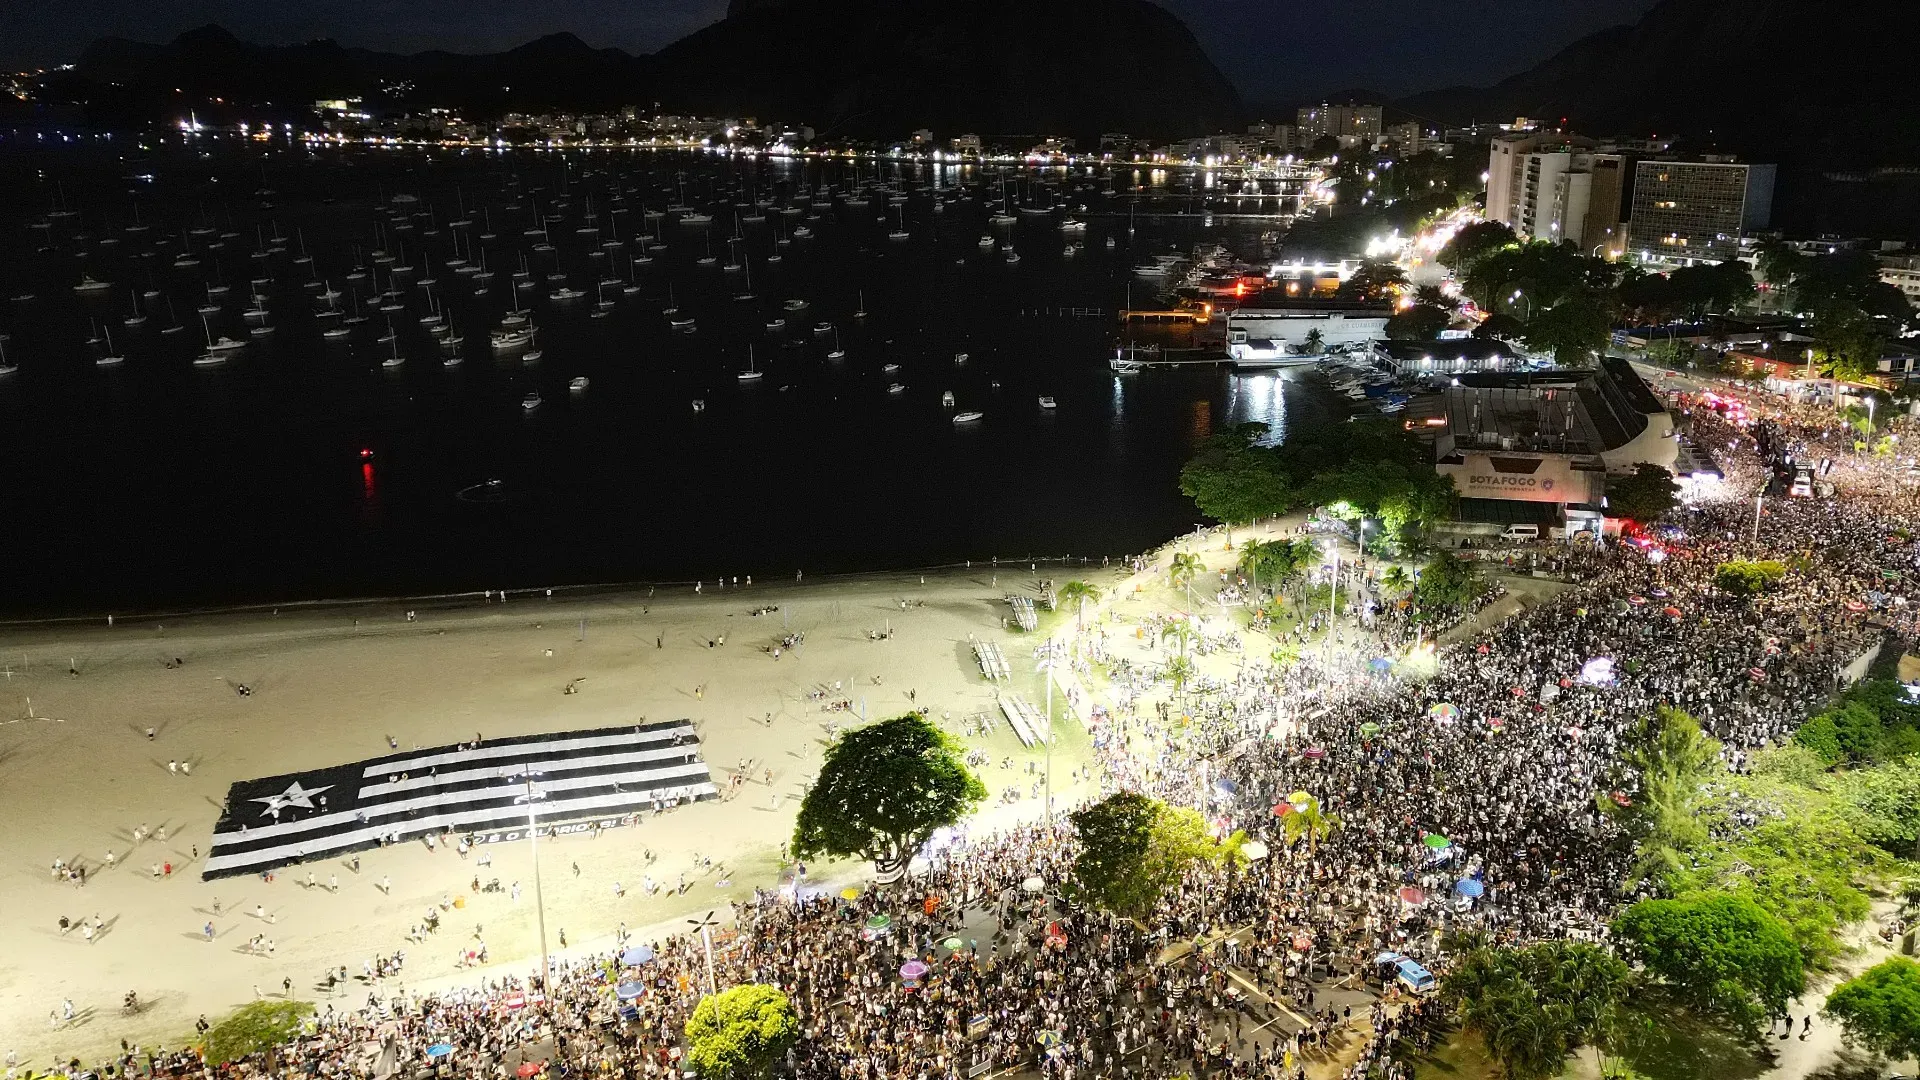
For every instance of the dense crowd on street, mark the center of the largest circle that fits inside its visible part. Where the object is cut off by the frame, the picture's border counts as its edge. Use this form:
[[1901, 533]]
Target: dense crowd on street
[[1463, 800]]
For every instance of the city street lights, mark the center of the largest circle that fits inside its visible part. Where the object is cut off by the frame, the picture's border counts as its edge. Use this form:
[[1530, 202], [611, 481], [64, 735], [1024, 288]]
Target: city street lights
[[1045, 656], [533, 844], [705, 926]]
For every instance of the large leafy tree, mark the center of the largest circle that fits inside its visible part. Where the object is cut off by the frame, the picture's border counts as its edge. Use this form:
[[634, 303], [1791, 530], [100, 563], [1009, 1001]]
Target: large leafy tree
[[1446, 584], [1534, 1006], [882, 791], [1373, 280], [1720, 954], [1880, 1008], [1573, 329], [1133, 848], [1474, 242], [739, 1033], [1310, 822], [1747, 577], [1277, 562], [1233, 479], [1643, 495], [1886, 799], [1665, 760], [1421, 322]]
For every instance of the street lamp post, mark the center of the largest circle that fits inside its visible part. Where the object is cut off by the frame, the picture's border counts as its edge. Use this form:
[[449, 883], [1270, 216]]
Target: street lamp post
[[706, 926], [1758, 501], [1046, 657], [533, 845]]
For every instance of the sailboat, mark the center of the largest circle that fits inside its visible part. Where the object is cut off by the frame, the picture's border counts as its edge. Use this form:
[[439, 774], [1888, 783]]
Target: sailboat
[[900, 233], [752, 374], [5, 367], [224, 344], [109, 358], [395, 362], [861, 311], [138, 318], [838, 353], [746, 265]]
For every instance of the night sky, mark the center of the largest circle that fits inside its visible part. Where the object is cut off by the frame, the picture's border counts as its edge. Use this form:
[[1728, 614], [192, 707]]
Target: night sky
[[1274, 51]]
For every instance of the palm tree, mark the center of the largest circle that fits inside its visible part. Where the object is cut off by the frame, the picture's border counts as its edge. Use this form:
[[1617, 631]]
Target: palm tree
[[1396, 579], [1311, 822], [1185, 565], [1179, 672], [1313, 342], [1181, 631], [1079, 594]]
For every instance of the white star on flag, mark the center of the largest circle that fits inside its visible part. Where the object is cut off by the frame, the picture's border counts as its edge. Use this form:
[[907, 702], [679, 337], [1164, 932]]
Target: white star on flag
[[295, 795]]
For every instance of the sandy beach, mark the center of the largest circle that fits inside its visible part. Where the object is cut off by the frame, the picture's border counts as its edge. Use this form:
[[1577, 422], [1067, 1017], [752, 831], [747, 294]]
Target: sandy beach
[[331, 684], [78, 773]]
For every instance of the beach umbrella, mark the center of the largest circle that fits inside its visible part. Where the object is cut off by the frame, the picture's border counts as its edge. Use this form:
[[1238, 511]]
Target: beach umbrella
[[1437, 842], [1413, 895], [1314, 753], [1496, 723], [527, 1068], [1855, 605], [912, 970], [953, 945], [1662, 593], [1637, 600], [1282, 809], [1380, 663], [1369, 729], [1302, 942], [880, 921], [850, 893], [627, 991], [637, 955], [439, 1050], [1469, 888], [1445, 710], [1482, 650], [1036, 883], [1254, 850], [1671, 612]]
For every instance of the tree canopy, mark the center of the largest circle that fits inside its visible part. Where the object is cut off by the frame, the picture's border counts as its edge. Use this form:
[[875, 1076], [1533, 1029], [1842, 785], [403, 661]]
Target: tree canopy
[[739, 1033], [1644, 495], [882, 791], [1134, 848], [1880, 1008], [1747, 577], [1446, 584], [1421, 322], [1534, 1006], [1872, 721], [1720, 954]]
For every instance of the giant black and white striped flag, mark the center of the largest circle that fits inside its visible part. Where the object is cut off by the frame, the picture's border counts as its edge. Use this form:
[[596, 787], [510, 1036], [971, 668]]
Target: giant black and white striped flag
[[471, 788]]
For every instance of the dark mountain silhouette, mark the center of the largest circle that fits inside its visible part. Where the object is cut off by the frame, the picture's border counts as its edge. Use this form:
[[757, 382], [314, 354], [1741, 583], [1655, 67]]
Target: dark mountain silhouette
[[847, 67], [1809, 77]]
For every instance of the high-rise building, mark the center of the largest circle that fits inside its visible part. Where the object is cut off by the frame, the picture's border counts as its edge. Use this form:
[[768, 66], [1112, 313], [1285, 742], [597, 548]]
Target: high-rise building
[[1604, 231], [1541, 186], [1691, 211], [1358, 121]]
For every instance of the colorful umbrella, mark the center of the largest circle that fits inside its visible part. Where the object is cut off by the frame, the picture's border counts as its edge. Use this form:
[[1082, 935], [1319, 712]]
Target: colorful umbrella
[[850, 893], [1369, 729], [527, 1068], [1469, 888], [912, 970], [439, 1050], [953, 944], [1435, 841], [1496, 723], [880, 921], [1034, 884], [1445, 710], [1636, 600], [628, 991], [1671, 611], [1412, 895], [1855, 605], [1314, 753], [636, 956], [1282, 809]]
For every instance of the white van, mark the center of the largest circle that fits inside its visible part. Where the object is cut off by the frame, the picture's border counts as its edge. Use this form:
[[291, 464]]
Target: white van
[[1520, 534]]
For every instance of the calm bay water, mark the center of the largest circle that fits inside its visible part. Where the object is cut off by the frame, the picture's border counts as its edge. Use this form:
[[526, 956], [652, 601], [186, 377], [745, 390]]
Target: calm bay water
[[156, 483]]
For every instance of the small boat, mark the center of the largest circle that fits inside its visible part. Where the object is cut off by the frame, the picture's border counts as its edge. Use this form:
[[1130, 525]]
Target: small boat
[[1047, 402], [396, 362], [512, 339], [208, 360], [959, 359], [889, 368], [986, 243], [752, 374], [897, 388], [946, 399], [335, 333], [823, 328], [776, 325], [1013, 257], [578, 384], [1072, 225], [699, 405], [261, 331], [531, 401], [563, 293], [88, 285], [532, 356], [967, 417], [682, 325]]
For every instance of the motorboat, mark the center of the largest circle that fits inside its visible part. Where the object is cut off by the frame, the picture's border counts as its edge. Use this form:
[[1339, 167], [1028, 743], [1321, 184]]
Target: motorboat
[[967, 417], [897, 388], [532, 356], [823, 328], [959, 359], [89, 285], [578, 384], [946, 399], [531, 401], [889, 368], [986, 243], [512, 339], [1047, 402], [209, 360], [565, 293], [1013, 257]]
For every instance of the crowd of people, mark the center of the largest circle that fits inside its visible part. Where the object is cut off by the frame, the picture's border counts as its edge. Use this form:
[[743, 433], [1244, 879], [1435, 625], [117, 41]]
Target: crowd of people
[[1462, 800]]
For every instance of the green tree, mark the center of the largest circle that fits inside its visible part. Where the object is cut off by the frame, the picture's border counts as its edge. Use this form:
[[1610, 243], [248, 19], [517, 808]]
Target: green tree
[[1720, 954], [882, 791], [1314, 343], [1181, 572], [1420, 322], [255, 1027], [1474, 242], [1644, 495], [1234, 480], [1373, 280], [1276, 562], [1573, 330], [739, 1033], [1446, 584], [1077, 595], [1132, 849], [1311, 823], [1747, 577], [1880, 1008], [1180, 671], [1661, 769], [1396, 580], [1534, 1006], [1886, 799]]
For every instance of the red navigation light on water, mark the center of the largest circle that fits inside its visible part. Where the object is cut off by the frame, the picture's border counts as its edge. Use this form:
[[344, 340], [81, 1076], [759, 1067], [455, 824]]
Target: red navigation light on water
[[365, 453]]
